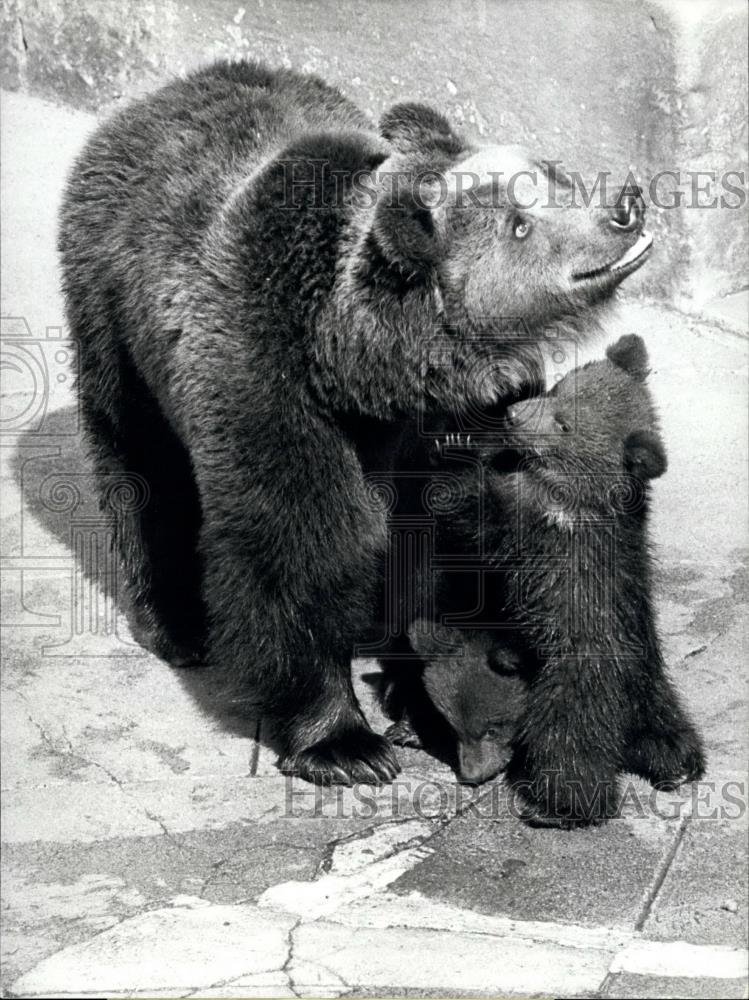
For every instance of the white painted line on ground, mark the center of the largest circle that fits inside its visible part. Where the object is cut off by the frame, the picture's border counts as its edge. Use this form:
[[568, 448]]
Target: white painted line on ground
[[681, 959], [311, 900], [358, 868], [381, 842]]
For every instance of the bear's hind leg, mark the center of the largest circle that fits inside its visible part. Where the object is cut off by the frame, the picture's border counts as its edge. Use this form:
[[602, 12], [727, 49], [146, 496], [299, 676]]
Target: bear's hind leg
[[156, 538]]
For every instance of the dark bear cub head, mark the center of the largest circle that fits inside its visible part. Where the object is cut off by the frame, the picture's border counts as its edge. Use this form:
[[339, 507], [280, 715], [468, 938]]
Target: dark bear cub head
[[507, 236], [590, 445], [478, 690]]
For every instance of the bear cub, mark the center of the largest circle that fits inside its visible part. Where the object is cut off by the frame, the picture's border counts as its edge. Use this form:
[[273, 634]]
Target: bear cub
[[461, 706], [559, 515]]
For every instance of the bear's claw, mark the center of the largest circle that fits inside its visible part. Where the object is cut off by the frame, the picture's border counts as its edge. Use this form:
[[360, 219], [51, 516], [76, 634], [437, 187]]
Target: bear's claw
[[668, 762], [456, 440], [402, 734], [355, 756]]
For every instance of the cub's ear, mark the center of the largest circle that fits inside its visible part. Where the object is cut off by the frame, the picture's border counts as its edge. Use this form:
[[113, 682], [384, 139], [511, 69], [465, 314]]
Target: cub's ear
[[645, 455], [415, 128], [630, 354]]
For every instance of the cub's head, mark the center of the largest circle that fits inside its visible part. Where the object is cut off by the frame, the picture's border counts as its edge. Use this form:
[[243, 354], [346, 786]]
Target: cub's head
[[480, 695], [593, 439], [506, 237]]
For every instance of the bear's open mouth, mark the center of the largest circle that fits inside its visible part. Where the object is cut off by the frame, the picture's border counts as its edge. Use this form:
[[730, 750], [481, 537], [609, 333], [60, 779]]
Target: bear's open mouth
[[623, 265], [509, 458]]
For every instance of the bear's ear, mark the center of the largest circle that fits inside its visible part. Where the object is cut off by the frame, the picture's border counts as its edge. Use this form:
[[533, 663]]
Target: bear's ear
[[630, 354], [409, 221], [417, 129], [645, 455]]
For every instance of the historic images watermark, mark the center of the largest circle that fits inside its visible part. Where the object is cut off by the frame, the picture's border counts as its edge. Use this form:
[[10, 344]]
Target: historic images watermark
[[545, 184], [723, 801]]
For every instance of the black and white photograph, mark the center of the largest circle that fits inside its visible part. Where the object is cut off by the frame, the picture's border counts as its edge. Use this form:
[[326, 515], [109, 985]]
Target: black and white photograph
[[375, 499]]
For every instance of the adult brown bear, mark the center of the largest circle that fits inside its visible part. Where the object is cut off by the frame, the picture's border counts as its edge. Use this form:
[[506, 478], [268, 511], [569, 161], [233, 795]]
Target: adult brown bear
[[256, 278]]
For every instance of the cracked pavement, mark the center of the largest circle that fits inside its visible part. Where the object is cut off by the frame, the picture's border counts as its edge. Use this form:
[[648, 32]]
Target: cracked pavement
[[151, 848]]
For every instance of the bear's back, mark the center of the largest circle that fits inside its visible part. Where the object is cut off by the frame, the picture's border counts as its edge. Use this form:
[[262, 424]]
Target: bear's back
[[157, 172], [224, 118]]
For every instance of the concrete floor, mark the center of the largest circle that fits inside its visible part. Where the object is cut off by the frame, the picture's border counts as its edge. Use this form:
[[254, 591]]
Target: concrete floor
[[151, 848]]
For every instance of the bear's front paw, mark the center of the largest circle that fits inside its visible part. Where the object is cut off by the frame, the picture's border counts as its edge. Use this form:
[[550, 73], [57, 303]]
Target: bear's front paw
[[358, 755], [668, 760], [562, 796], [402, 734]]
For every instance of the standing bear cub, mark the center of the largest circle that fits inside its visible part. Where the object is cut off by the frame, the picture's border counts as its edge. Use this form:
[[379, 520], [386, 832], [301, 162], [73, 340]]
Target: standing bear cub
[[558, 520], [257, 278]]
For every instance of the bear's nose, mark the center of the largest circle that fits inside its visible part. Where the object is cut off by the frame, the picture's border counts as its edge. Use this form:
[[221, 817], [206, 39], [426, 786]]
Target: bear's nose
[[629, 209], [519, 413]]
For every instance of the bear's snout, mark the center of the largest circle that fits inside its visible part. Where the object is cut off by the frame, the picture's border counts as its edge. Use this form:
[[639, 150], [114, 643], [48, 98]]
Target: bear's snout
[[479, 761]]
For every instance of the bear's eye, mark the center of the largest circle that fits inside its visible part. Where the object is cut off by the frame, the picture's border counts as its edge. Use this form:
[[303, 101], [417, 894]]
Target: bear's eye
[[522, 228], [562, 425]]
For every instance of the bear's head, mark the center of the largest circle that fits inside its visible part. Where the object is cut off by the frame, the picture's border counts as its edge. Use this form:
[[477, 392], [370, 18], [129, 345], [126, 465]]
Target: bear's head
[[507, 238], [479, 691], [593, 441]]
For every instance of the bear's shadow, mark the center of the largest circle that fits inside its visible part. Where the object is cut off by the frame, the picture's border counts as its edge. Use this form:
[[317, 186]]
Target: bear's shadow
[[48, 469], [67, 470]]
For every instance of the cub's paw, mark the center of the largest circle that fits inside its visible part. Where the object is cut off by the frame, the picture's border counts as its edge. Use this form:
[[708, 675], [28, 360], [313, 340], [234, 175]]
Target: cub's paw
[[358, 755], [668, 760], [562, 797], [402, 734]]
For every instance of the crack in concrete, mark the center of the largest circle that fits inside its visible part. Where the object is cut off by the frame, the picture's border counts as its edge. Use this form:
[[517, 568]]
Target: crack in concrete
[[298, 988], [51, 745], [609, 980], [155, 819], [22, 32], [72, 754], [128, 792], [131, 794], [155, 904], [286, 967], [216, 867]]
